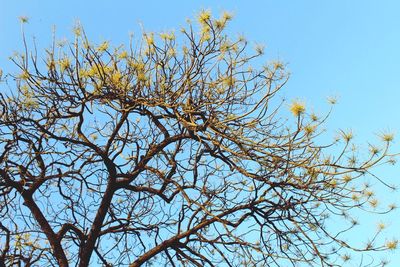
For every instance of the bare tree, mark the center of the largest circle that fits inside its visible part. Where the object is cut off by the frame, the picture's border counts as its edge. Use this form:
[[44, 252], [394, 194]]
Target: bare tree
[[172, 155]]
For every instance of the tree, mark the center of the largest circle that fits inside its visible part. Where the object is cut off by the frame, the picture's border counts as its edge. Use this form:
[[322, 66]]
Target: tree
[[172, 155]]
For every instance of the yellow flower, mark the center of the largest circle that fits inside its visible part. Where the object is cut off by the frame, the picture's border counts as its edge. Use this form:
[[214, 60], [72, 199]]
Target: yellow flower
[[92, 71], [167, 36], [373, 202], [225, 47], [149, 38], [387, 137], [25, 90], [309, 129], [30, 103], [141, 77], [116, 78], [391, 244], [83, 73], [204, 16], [369, 193], [103, 47], [297, 108], [278, 65], [24, 75], [171, 52], [138, 66], [227, 16], [229, 81], [347, 136], [64, 64], [205, 36], [77, 30], [374, 150], [347, 178], [123, 55], [333, 183], [314, 117], [355, 197], [381, 226], [220, 24]]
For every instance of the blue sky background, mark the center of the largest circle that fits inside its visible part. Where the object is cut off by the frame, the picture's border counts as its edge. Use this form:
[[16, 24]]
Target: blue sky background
[[349, 49]]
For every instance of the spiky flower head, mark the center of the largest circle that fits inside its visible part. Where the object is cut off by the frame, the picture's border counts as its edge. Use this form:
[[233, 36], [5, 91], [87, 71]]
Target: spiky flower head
[[387, 137], [392, 244], [103, 46], [297, 108], [204, 16]]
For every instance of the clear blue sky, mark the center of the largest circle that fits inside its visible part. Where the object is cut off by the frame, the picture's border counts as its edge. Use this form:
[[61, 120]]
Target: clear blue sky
[[350, 49]]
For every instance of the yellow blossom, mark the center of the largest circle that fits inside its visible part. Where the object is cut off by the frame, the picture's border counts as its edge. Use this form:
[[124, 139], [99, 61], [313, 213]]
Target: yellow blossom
[[220, 24], [381, 226], [355, 197], [141, 76], [333, 183], [387, 137], [138, 66], [314, 117], [116, 78], [227, 16], [347, 178], [347, 136], [374, 150], [83, 73], [24, 75], [369, 193], [172, 52], [123, 55], [149, 37], [225, 47], [297, 108], [103, 46], [64, 64], [204, 16], [278, 65], [77, 30], [229, 81], [309, 129], [167, 36], [374, 203], [392, 245]]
